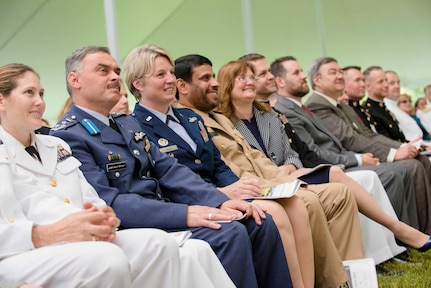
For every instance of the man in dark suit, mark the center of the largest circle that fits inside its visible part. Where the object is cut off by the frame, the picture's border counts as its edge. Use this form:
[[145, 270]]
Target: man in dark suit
[[147, 188], [327, 80], [291, 88]]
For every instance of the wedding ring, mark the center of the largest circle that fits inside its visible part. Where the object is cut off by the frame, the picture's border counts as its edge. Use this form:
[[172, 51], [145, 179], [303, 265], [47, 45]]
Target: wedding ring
[[209, 216], [94, 238]]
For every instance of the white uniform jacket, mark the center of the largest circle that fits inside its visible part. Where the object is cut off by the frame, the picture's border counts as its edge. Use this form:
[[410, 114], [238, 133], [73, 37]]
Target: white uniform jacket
[[56, 175], [12, 219]]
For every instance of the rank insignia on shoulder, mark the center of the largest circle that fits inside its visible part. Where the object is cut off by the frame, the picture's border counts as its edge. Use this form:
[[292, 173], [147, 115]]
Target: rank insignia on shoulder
[[139, 136], [62, 153], [89, 125], [203, 132], [58, 127]]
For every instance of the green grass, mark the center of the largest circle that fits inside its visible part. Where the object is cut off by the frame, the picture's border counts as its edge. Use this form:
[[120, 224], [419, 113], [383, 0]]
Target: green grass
[[416, 275]]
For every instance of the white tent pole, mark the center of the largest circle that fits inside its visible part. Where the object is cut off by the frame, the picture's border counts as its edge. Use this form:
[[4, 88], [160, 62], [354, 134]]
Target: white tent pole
[[320, 30], [111, 29], [248, 28]]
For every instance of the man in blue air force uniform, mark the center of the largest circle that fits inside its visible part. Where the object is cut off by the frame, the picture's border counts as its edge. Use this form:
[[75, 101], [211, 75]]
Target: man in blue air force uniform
[[147, 188]]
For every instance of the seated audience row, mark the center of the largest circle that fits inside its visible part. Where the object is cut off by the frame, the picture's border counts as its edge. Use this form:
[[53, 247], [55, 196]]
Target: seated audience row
[[46, 200], [233, 145]]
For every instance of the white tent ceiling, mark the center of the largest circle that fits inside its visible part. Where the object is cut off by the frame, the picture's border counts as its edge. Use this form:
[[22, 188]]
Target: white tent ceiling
[[393, 34]]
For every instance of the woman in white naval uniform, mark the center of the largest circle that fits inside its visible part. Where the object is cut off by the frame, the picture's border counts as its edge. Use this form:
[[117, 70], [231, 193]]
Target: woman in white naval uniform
[[75, 264], [50, 187]]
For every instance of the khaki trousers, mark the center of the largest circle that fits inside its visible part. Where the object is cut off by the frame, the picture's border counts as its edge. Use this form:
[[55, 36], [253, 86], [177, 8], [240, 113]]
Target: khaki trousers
[[335, 227]]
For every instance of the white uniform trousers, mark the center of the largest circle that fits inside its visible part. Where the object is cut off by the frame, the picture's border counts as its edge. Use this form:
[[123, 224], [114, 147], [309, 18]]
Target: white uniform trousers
[[140, 258], [79, 264], [378, 241], [209, 269], [157, 261]]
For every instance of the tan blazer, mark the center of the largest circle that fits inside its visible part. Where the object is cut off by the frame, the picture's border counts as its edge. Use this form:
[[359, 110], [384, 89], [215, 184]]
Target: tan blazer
[[239, 155], [330, 207]]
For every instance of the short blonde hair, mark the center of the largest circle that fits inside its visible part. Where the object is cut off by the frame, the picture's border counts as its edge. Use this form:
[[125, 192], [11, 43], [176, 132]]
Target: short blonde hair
[[140, 63]]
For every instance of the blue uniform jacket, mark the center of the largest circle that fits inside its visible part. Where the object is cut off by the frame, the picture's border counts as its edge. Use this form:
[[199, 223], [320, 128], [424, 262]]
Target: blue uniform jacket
[[145, 189], [206, 161]]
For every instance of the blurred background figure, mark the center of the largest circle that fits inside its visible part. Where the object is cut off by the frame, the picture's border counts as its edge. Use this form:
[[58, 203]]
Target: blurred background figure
[[427, 94], [123, 104], [343, 98], [65, 108], [404, 102], [423, 113], [45, 122]]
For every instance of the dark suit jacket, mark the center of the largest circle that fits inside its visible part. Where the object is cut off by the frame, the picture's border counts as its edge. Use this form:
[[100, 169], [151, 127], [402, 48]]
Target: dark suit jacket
[[365, 117], [351, 132], [317, 137], [308, 157], [206, 161], [144, 186]]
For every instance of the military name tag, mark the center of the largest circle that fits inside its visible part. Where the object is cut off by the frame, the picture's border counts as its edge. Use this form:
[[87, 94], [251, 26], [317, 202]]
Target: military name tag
[[169, 149], [111, 167]]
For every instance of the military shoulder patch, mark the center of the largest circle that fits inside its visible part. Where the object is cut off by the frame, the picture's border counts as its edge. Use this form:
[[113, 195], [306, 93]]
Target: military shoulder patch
[[65, 122]]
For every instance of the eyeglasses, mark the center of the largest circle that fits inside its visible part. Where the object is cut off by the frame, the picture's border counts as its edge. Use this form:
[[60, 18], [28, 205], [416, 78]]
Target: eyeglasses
[[244, 79]]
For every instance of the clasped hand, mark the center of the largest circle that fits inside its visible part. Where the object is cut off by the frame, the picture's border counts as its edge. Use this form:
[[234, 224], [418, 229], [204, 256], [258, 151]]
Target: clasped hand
[[204, 216], [92, 223], [406, 151]]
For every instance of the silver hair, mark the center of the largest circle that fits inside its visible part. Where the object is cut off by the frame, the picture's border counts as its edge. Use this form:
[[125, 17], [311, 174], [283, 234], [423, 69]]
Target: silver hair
[[73, 62], [315, 67]]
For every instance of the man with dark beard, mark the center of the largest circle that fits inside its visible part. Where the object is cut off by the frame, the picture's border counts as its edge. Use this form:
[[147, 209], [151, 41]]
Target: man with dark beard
[[291, 88]]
